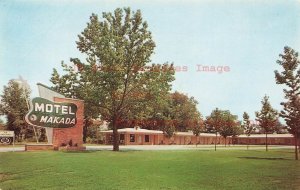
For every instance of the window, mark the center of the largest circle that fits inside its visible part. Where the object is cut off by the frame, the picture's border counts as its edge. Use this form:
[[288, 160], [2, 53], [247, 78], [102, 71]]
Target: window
[[111, 139], [122, 137], [147, 139], [132, 138]]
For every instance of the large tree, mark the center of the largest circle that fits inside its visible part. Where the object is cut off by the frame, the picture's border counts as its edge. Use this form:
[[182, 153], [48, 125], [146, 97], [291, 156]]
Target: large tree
[[290, 77], [248, 127], [13, 105], [267, 118], [117, 70]]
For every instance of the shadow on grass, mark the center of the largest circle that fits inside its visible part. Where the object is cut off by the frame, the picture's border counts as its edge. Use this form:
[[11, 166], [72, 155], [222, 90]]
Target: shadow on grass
[[128, 150], [82, 151], [93, 151], [260, 158]]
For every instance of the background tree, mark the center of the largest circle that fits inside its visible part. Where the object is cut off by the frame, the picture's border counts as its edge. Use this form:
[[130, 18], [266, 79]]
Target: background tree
[[280, 128], [229, 122], [117, 69], [168, 128], [267, 118], [290, 77], [2, 125], [248, 127], [237, 130], [176, 106], [197, 128], [213, 123], [184, 111], [13, 105]]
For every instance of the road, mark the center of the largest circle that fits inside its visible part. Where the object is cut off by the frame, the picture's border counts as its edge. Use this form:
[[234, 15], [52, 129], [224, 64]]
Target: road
[[161, 147]]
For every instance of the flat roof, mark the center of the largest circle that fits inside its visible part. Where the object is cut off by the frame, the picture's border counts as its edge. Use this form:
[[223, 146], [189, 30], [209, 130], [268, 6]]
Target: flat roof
[[139, 130], [264, 135]]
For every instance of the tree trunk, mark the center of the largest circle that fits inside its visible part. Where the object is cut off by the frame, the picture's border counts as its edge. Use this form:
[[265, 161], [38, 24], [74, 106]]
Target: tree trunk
[[84, 133], [266, 141], [298, 144], [225, 141], [216, 142], [296, 151], [35, 134], [248, 142], [115, 135]]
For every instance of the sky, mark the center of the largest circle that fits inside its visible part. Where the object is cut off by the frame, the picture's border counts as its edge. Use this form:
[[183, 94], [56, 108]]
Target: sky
[[246, 37]]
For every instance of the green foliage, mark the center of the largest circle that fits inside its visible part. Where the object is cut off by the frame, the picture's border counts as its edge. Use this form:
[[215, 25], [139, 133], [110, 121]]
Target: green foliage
[[168, 127], [93, 134], [198, 128], [184, 112], [117, 78], [213, 123], [247, 126], [2, 125], [280, 128], [13, 105], [290, 77], [222, 122], [175, 108], [236, 130], [267, 117], [229, 122]]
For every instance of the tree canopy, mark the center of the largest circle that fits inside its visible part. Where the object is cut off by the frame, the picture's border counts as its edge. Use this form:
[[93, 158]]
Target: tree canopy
[[290, 77], [222, 122], [13, 105], [117, 74], [267, 118]]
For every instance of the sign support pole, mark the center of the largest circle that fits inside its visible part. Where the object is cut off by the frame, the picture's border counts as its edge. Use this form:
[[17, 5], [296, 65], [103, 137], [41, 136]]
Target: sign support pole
[[14, 143]]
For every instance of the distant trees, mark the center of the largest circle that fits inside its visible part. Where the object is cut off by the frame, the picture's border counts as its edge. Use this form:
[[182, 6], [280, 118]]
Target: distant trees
[[168, 127], [267, 118], [222, 122], [229, 125], [184, 111], [290, 77], [197, 128], [248, 127], [2, 125], [213, 123], [13, 105]]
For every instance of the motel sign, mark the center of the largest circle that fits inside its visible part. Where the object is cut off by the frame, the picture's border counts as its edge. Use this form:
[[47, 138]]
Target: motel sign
[[45, 113]]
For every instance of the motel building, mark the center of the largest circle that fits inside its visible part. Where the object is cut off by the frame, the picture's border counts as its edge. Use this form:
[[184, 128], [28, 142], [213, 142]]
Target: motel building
[[138, 136]]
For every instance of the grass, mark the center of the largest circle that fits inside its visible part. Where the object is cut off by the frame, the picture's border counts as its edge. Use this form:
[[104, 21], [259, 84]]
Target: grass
[[191, 169]]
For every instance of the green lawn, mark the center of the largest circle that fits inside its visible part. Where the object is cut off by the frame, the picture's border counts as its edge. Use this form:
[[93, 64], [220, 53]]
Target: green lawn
[[191, 169]]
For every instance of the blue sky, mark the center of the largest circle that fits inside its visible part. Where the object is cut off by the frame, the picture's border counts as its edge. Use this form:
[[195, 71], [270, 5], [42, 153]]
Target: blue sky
[[247, 36]]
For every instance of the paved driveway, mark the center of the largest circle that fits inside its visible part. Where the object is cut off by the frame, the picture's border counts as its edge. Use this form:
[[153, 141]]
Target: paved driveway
[[12, 149], [161, 147], [186, 147]]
